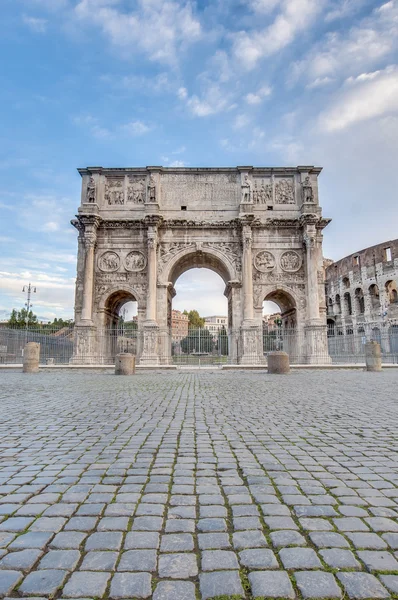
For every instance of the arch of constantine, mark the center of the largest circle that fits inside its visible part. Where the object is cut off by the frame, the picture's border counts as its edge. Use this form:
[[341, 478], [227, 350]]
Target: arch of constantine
[[139, 229]]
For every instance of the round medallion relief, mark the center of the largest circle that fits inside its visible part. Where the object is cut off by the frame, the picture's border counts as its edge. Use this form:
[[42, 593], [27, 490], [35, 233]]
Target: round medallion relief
[[109, 262], [135, 261], [264, 261], [290, 261]]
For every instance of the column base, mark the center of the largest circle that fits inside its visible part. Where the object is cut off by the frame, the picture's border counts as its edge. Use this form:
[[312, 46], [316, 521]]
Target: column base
[[251, 346], [150, 352], [85, 351], [316, 342]]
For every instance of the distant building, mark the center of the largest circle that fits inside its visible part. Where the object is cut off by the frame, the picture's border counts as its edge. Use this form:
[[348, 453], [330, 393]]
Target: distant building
[[271, 321], [216, 322], [179, 325]]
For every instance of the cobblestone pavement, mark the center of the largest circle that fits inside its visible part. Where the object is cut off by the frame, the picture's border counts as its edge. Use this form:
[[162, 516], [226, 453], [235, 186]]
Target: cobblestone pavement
[[188, 485]]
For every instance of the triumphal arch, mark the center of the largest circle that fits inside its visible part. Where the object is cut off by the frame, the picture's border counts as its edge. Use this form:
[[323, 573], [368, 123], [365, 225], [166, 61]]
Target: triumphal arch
[[259, 228]]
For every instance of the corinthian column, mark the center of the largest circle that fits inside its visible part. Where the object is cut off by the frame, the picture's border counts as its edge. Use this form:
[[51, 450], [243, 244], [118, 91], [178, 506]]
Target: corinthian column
[[312, 275], [89, 243], [152, 275], [247, 274]]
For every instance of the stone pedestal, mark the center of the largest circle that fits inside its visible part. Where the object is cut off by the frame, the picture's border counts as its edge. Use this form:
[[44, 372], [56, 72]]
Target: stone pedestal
[[125, 364], [278, 363], [150, 354], [316, 344], [373, 356], [251, 345], [31, 355], [86, 350]]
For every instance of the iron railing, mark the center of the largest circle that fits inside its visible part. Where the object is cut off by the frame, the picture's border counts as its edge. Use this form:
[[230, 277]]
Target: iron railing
[[200, 347]]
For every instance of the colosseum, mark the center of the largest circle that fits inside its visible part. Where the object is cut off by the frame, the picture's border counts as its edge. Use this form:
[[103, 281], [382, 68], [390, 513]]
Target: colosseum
[[362, 301]]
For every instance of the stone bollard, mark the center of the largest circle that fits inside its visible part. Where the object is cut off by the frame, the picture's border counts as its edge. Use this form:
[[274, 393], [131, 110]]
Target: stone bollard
[[278, 362], [31, 354], [373, 356], [50, 361], [125, 364]]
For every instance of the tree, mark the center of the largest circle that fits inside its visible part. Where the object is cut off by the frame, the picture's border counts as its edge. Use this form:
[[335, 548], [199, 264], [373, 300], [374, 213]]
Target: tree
[[195, 320], [21, 317], [197, 342], [223, 342]]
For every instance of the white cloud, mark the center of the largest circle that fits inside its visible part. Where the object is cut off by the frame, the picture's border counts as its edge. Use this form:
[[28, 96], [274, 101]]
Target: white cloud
[[366, 97], [157, 28], [263, 6], [241, 121], [177, 163], [213, 100], [294, 16], [182, 93], [343, 8], [258, 97], [136, 128], [92, 125], [35, 24], [340, 55]]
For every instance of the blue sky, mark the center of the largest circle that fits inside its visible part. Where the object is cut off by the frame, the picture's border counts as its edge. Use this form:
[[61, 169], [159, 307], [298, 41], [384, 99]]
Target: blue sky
[[149, 82]]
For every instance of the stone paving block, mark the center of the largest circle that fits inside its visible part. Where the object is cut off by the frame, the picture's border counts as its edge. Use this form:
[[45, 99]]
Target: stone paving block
[[53, 524], [131, 585], [178, 566], [315, 511], [113, 524], [378, 560], [220, 583], [210, 541], [6, 539], [8, 581], [381, 524], [210, 525], [16, 524], [258, 558], [283, 539], [315, 524], [185, 512], [275, 523], [328, 539], [248, 539], [362, 586], [22, 560], [138, 560], [86, 584], [60, 559], [244, 523], [178, 542], [68, 540], [338, 558], [138, 539], [43, 583], [275, 510], [299, 558], [350, 524], [370, 541], [104, 541], [81, 524], [391, 582], [316, 584], [271, 584], [180, 526], [174, 590], [391, 539], [147, 524], [215, 560], [32, 539], [101, 560]]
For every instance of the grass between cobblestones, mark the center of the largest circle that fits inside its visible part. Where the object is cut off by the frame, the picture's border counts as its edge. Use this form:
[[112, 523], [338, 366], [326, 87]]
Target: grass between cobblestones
[[168, 443]]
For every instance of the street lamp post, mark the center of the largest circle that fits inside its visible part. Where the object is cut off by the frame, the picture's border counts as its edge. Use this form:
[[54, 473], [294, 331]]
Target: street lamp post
[[29, 290]]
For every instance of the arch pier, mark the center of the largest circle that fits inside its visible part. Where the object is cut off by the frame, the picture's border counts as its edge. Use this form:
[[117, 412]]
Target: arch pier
[[140, 229]]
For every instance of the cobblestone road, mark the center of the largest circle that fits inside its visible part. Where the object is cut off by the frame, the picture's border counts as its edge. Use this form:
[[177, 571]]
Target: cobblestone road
[[180, 486]]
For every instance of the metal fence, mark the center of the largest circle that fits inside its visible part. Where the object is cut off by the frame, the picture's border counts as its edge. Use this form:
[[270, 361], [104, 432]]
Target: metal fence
[[200, 347]]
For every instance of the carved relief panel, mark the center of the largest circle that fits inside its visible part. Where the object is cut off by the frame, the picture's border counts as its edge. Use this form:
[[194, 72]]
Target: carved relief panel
[[284, 191], [262, 191], [136, 190], [114, 191]]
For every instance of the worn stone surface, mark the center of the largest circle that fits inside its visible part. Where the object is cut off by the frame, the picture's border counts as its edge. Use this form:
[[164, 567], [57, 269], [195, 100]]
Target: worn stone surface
[[215, 461]]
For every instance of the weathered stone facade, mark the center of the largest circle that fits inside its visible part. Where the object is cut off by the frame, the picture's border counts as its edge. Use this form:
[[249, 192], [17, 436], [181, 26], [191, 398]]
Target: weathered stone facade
[[260, 229], [362, 297]]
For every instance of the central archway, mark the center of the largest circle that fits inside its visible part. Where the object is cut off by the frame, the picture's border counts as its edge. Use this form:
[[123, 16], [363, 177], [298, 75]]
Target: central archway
[[280, 328], [209, 342]]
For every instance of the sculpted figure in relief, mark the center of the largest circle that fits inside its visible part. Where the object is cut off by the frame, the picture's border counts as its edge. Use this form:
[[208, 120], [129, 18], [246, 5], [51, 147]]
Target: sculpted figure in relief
[[134, 261], [90, 196], [284, 193], [109, 261], [152, 189], [246, 190], [114, 193], [264, 261], [307, 191], [136, 192], [290, 261]]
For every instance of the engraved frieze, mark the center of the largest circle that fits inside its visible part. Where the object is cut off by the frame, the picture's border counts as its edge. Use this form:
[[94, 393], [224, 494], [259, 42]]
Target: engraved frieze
[[109, 262], [213, 190], [262, 192], [114, 190], [136, 190], [290, 261], [228, 249], [284, 191], [135, 261], [264, 261]]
